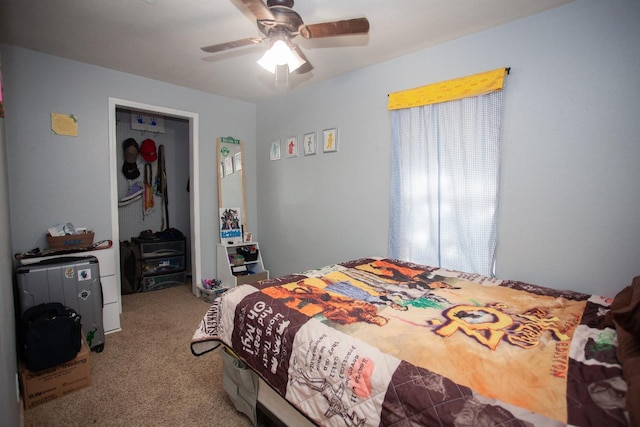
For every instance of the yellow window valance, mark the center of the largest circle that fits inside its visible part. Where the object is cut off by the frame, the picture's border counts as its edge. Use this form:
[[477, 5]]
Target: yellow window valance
[[450, 90]]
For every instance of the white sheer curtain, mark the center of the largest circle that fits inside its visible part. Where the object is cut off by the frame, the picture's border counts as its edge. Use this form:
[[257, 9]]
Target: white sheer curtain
[[444, 185]]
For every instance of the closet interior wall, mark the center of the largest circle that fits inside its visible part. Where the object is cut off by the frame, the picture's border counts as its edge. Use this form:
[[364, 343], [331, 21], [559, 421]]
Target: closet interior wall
[[132, 219]]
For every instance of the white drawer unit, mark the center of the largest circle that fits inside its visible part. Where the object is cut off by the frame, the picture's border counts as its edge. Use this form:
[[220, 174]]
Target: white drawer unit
[[109, 274]]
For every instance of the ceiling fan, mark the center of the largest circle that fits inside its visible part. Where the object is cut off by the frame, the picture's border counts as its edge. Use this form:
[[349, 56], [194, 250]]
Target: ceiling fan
[[280, 24]]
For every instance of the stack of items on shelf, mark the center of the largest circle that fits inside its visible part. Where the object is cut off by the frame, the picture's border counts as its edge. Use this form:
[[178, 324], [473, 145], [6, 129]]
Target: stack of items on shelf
[[65, 239], [249, 253], [67, 236]]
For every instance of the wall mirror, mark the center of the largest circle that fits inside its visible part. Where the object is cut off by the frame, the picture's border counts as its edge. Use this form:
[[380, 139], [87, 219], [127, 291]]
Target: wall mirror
[[231, 179]]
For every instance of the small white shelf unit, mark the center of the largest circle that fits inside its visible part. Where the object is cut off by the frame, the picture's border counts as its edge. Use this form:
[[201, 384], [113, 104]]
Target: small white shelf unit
[[225, 268]]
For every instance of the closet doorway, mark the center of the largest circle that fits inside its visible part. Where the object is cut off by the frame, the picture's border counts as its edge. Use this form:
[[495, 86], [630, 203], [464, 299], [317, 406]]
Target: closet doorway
[[185, 187]]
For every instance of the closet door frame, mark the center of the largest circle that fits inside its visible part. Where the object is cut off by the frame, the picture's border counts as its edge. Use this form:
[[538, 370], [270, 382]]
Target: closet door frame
[[194, 182]]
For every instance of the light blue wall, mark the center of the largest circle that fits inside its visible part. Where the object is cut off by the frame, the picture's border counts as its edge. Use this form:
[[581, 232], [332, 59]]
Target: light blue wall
[[570, 180], [52, 178], [56, 179], [8, 357]]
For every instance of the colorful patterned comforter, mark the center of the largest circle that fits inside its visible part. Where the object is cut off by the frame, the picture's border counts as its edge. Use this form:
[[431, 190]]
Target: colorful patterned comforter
[[384, 342]]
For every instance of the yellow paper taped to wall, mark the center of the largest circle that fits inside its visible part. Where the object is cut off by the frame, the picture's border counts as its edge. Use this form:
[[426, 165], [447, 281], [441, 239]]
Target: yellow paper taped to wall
[[64, 124]]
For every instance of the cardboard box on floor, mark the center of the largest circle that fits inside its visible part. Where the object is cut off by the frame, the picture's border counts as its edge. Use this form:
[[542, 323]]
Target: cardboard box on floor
[[49, 384]]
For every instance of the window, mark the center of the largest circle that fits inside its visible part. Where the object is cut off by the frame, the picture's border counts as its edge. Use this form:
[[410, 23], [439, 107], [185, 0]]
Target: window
[[445, 176]]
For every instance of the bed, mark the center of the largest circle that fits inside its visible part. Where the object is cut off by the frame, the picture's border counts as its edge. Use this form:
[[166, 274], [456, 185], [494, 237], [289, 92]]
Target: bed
[[379, 341]]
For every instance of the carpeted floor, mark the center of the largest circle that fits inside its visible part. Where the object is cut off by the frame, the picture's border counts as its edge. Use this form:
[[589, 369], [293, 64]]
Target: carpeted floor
[[146, 375]]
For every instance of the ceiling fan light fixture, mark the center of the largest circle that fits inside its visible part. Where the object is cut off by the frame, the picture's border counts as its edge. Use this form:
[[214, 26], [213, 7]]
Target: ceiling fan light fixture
[[280, 54]]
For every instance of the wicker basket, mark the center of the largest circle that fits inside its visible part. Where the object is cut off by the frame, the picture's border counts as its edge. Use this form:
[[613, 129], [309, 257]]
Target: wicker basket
[[71, 241]]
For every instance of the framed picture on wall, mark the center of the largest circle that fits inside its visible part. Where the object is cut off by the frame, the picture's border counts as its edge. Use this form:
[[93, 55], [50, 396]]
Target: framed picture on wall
[[237, 159], [274, 151], [309, 143], [292, 146], [330, 140], [228, 166]]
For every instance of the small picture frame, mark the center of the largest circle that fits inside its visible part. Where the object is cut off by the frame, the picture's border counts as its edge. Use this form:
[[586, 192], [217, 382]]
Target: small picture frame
[[330, 140], [274, 151], [292, 146], [228, 166], [309, 143], [237, 160]]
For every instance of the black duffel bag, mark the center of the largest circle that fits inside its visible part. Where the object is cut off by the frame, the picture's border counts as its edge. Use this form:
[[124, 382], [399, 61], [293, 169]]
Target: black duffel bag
[[51, 335]]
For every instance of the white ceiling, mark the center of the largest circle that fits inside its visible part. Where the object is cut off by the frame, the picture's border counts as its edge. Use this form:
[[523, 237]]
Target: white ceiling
[[162, 41]]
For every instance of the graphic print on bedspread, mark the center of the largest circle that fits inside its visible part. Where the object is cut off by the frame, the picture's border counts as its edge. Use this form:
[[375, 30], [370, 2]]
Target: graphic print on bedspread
[[503, 343], [425, 398], [379, 341], [263, 336], [337, 380]]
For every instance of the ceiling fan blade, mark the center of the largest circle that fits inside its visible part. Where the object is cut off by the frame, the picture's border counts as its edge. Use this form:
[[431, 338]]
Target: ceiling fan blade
[[306, 67], [259, 9], [335, 28], [230, 45]]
